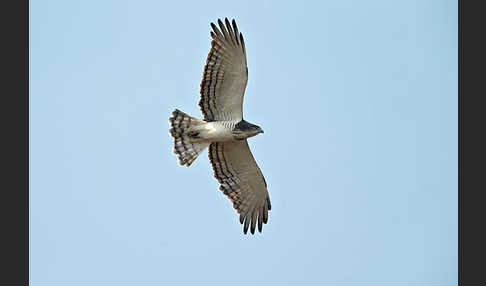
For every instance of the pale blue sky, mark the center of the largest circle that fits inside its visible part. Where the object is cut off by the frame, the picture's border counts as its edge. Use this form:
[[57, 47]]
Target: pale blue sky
[[358, 100]]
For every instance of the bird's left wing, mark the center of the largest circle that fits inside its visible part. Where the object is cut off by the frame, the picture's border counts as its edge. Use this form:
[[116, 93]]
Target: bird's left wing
[[241, 181], [225, 75]]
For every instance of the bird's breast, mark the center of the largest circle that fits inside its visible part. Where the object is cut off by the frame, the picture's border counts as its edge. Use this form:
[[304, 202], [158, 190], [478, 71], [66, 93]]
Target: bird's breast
[[218, 131]]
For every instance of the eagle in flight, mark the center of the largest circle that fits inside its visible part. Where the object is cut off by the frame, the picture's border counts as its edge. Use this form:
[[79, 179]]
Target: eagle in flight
[[223, 129]]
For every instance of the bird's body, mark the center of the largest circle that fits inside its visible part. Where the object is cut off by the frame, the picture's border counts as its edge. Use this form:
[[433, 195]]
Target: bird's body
[[214, 131], [224, 130]]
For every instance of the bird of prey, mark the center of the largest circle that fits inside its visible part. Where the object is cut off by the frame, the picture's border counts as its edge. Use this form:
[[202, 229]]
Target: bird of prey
[[223, 129]]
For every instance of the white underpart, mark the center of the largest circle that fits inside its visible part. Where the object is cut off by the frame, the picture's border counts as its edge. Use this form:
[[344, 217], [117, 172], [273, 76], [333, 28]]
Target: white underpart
[[217, 131]]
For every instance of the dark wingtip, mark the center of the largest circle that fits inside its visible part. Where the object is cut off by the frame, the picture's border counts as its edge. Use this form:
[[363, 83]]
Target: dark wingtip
[[252, 228], [246, 225], [242, 41], [235, 31]]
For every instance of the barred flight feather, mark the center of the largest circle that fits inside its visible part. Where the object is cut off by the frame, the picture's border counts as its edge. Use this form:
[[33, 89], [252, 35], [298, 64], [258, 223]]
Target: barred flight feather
[[225, 75], [241, 181]]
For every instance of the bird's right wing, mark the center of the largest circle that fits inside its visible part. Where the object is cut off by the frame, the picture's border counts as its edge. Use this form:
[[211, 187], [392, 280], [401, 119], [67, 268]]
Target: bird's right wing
[[225, 75], [241, 181]]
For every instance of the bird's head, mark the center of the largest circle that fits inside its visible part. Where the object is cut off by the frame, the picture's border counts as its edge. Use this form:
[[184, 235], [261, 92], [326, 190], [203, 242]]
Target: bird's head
[[255, 130], [245, 130]]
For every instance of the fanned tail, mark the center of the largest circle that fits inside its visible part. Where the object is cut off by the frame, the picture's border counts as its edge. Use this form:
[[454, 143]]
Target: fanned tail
[[180, 128]]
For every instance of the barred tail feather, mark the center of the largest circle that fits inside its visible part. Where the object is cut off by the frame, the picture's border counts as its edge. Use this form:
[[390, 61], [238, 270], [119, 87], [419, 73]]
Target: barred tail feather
[[186, 150]]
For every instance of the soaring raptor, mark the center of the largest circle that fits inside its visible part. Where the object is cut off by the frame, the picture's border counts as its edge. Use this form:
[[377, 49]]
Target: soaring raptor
[[223, 129]]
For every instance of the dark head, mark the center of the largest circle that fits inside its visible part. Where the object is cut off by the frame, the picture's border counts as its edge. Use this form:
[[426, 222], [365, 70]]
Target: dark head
[[245, 130]]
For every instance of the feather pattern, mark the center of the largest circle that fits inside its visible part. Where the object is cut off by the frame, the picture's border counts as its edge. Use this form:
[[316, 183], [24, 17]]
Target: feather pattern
[[242, 181], [225, 74]]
